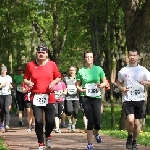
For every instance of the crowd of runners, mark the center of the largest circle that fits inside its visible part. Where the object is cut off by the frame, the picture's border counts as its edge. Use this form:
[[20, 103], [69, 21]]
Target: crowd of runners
[[52, 99]]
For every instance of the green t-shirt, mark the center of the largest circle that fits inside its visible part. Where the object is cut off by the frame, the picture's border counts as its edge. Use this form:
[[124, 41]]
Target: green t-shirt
[[89, 76], [18, 79]]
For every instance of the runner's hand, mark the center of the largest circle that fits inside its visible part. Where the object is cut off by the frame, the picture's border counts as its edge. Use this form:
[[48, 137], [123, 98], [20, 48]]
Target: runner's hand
[[124, 89], [143, 83], [30, 84], [51, 85], [5, 83], [100, 85]]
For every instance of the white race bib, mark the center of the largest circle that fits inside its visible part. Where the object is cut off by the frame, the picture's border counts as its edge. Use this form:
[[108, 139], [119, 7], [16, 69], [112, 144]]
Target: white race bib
[[58, 95], [6, 90], [40, 99], [92, 90], [136, 92], [29, 96], [72, 89], [116, 90], [19, 88]]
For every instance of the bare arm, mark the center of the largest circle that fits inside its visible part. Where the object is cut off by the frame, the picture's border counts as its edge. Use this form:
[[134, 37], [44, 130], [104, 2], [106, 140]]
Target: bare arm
[[103, 84], [121, 87], [25, 90], [54, 82], [79, 88]]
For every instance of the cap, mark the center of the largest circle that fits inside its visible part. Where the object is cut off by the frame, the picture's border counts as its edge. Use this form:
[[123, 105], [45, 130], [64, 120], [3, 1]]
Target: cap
[[42, 48], [3, 68]]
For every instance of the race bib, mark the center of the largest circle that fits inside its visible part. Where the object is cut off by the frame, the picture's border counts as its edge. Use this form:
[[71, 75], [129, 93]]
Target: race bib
[[92, 90], [116, 90], [19, 88], [6, 89], [58, 95], [136, 92], [40, 99], [29, 96], [72, 89]]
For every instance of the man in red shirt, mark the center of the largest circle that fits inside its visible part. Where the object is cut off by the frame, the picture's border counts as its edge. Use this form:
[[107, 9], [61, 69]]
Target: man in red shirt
[[41, 76]]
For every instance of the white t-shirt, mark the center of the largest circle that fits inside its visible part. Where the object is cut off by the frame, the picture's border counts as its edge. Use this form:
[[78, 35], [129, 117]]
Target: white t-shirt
[[6, 89], [131, 76]]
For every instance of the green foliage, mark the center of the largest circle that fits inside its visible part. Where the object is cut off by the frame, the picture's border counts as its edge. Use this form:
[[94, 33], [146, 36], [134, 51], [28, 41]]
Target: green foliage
[[2, 146]]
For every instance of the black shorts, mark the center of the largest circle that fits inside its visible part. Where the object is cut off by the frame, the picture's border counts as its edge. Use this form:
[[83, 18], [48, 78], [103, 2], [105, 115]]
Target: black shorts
[[116, 95], [27, 104], [134, 107]]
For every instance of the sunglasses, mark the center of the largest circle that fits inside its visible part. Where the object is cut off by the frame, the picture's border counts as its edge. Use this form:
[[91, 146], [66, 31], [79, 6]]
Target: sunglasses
[[41, 52], [19, 70]]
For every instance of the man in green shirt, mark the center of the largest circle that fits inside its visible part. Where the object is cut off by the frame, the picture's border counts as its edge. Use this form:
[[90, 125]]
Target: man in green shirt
[[89, 81], [17, 80]]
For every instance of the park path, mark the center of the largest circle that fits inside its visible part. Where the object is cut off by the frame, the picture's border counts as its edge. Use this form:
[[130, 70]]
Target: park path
[[17, 138]]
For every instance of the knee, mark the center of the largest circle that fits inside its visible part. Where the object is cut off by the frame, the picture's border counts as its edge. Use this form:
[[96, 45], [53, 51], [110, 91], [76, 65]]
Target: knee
[[131, 122], [97, 127], [90, 126], [75, 114]]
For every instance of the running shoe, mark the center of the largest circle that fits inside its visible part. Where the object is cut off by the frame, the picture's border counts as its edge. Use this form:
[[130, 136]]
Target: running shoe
[[20, 123], [129, 142], [2, 127], [29, 130], [41, 146], [48, 142], [98, 138], [134, 146], [7, 128], [89, 147], [69, 126], [73, 128], [57, 130]]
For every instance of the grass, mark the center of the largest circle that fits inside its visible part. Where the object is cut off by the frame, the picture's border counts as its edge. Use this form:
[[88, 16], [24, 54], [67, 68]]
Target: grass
[[2, 145], [144, 136]]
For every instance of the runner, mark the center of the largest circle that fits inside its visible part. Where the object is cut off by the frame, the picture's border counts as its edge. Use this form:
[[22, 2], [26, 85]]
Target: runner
[[44, 75], [72, 98], [60, 91], [131, 81], [107, 92], [84, 117], [28, 106], [5, 97], [116, 92], [89, 81], [64, 115], [17, 80]]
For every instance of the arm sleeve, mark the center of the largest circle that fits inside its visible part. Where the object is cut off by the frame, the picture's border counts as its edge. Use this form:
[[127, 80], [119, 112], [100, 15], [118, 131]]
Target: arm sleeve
[[146, 75], [27, 72], [120, 79], [102, 73], [63, 85], [56, 73], [10, 79]]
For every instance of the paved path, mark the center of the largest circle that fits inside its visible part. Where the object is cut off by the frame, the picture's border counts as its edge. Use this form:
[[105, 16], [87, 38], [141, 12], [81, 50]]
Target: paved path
[[17, 138]]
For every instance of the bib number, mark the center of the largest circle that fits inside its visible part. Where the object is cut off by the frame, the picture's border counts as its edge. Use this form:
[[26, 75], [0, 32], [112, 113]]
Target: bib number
[[136, 92], [72, 89], [92, 90], [116, 90], [58, 95], [40, 99], [19, 88], [5, 89]]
